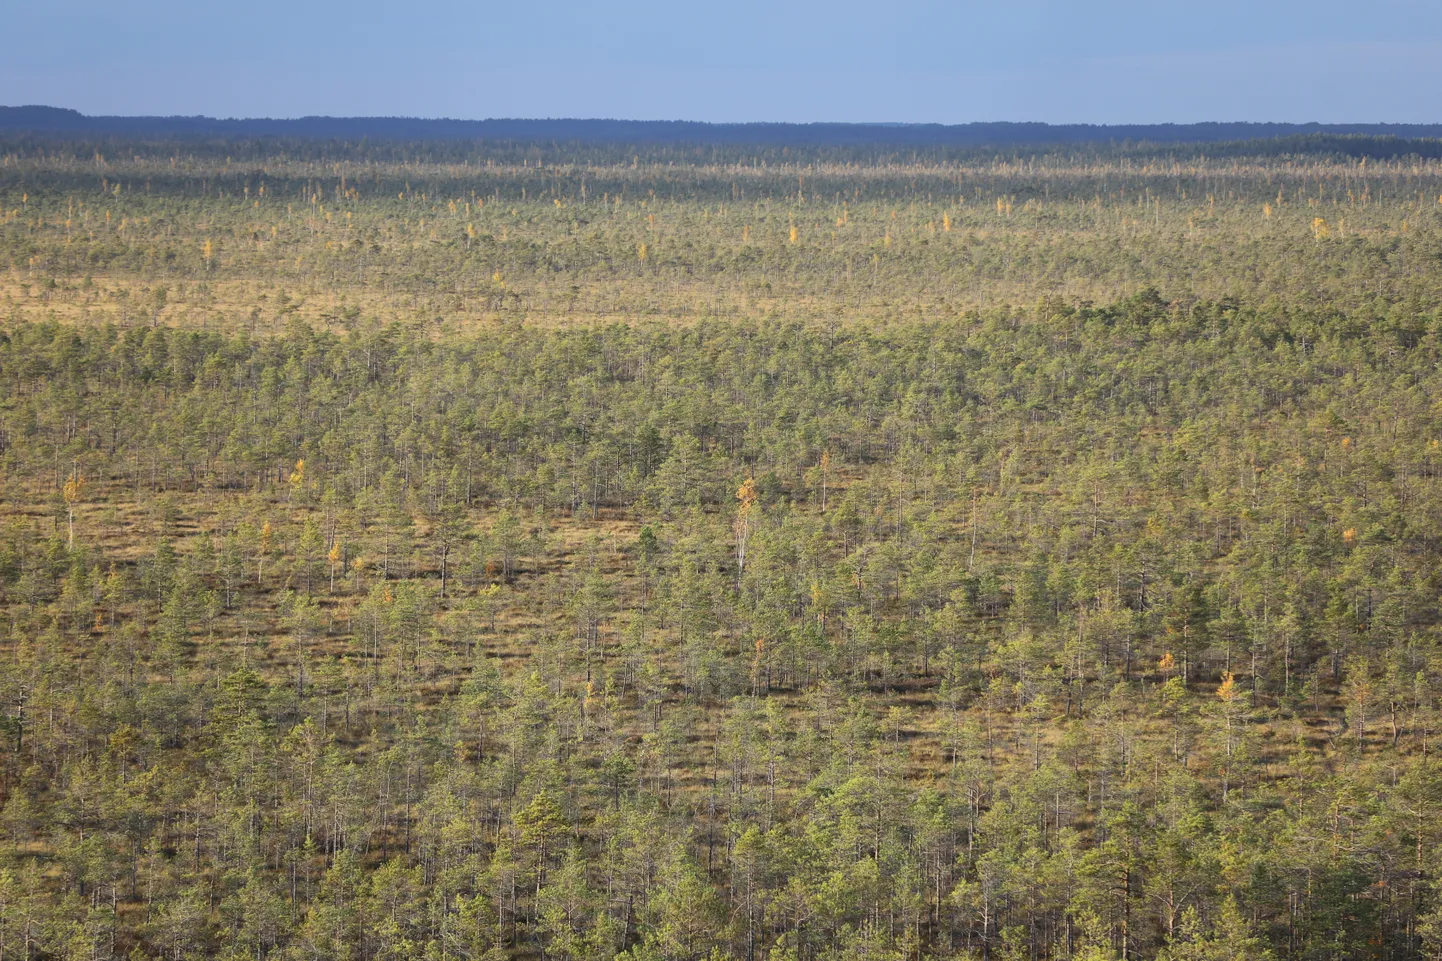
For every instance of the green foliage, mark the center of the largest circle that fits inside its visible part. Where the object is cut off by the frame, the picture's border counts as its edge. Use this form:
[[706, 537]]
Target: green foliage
[[1101, 628]]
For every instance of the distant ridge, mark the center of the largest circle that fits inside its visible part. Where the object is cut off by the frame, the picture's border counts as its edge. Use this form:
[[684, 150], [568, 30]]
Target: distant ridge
[[62, 122]]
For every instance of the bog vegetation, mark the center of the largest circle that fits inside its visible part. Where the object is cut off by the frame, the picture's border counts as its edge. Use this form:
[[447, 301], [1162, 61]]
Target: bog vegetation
[[563, 552]]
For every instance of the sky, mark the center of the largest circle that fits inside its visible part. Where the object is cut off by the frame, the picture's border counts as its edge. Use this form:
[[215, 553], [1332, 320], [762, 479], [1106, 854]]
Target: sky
[[1115, 61]]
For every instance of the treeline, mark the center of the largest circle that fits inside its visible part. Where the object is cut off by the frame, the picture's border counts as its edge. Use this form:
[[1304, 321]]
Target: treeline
[[1067, 632], [61, 121]]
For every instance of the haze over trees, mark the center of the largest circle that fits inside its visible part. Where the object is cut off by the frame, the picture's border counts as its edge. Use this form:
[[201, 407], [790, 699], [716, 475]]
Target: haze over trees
[[500, 549], [62, 122]]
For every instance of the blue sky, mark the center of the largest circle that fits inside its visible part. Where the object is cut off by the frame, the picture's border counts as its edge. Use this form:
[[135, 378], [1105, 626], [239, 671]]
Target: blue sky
[[1121, 61]]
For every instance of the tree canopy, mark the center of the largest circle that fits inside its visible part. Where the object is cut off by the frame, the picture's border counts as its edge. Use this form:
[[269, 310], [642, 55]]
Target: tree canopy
[[395, 563]]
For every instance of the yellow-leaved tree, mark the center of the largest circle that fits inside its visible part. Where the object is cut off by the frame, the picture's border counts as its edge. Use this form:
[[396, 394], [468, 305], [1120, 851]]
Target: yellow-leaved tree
[[297, 477], [74, 488], [1233, 711]]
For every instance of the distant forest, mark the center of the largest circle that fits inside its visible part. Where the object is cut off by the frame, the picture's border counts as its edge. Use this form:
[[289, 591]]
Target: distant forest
[[57, 120]]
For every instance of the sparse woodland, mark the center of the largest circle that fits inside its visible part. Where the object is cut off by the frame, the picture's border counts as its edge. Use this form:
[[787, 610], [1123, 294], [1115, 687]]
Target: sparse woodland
[[570, 551]]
